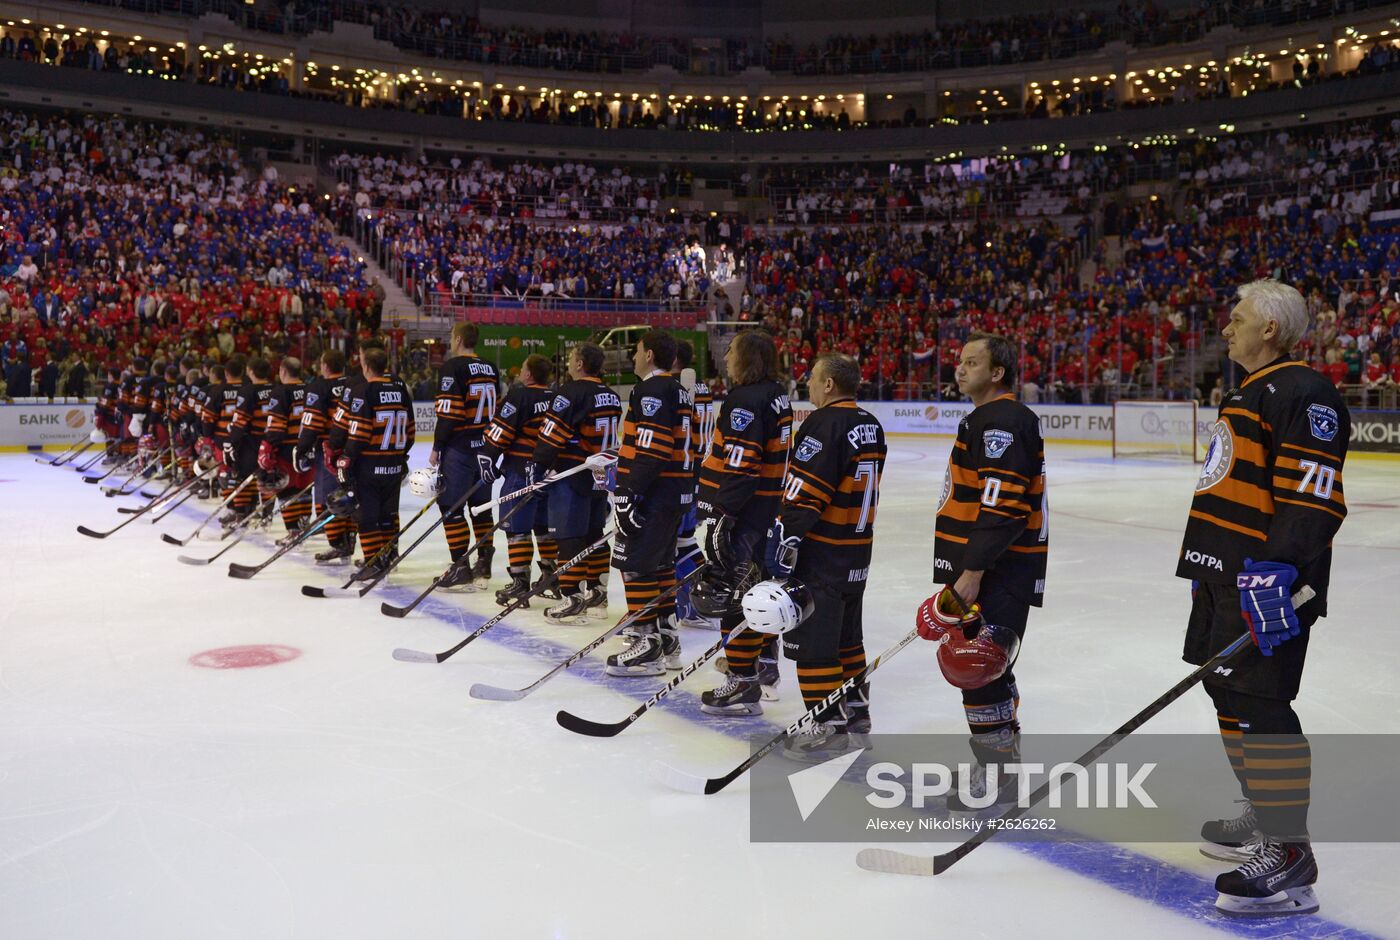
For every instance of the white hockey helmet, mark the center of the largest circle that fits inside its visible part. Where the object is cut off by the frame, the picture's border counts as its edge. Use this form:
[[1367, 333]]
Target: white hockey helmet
[[425, 482], [777, 605]]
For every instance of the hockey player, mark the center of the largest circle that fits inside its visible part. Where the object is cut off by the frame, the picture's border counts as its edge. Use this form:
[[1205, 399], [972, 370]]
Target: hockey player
[[655, 488], [1268, 503], [105, 413], [511, 440], [741, 485], [284, 411], [991, 543], [319, 410], [702, 406], [466, 403], [220, 399], [380, 432], [581, 421], [245, 434]]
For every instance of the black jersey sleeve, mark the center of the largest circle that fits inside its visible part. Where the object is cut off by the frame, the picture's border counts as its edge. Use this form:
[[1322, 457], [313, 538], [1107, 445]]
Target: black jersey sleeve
[[814, 474], [1310, 444], [1006, 454], [509, 419]]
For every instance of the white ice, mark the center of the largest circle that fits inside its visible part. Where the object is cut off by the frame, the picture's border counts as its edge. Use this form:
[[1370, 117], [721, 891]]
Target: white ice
[[344, 794]]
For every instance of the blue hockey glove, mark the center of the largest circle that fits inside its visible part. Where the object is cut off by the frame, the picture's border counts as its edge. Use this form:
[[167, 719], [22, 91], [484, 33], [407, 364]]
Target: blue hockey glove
[[780, 554], [1266, 602], [629, 517]]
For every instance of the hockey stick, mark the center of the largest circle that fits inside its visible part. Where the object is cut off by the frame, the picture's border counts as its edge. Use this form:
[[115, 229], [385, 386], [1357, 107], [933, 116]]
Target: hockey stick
[[92, 533], [417, 656], [119, 466], [142, 474], [66, 456], [92, 461], [689, 783], [170, 491], [900, 863], [344, 591], [493, 693], [172, 540], [260, 515], [244, 572], [598, 461]]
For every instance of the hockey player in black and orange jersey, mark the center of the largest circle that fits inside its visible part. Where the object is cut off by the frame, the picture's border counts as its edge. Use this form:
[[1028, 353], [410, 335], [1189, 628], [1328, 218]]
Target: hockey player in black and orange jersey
[[466, 403], [1268, 503], [105, 413], [991, 543], [126, 395], [655, 488], [582, 421], [741, 486], [283, 423], [220, 400], [245, 434], [509, 448], [702, 406], [380, 432], [319, 408]]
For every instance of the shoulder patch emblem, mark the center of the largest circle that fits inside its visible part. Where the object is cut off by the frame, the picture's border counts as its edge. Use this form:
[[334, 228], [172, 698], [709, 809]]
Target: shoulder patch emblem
[[357, 404], [995, 443], [740, 418], [311, 398], [650, 406], [447, 383], [507, 410], [808, 448], [1220, 456], [560, 403], [1323, 423]]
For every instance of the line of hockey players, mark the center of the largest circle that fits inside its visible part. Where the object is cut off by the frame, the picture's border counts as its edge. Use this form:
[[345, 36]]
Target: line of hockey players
[[789, 519]]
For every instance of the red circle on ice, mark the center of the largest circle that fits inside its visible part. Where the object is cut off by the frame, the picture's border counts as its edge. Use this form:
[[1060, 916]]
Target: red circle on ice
[[244, 657]]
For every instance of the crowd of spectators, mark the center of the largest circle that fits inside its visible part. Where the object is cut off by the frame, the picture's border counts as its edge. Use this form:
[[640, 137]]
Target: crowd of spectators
[[121, 238]]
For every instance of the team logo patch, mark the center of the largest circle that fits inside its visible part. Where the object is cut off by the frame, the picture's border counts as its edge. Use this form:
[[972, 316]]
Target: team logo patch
[[311, 399], [808, 449], [1220, 455], [447, 381], [357, 404], [740, 418], [996, 442], [1323, 423], [560, 403], [507, 410], [650, 406]]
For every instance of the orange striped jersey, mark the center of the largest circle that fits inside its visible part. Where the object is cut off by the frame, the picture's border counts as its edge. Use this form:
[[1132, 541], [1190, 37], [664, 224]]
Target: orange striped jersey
[[284, 410], [126, 392], [466, 402], [220, 399], [702, 403], [107, 399], [516, 428], [653, 459], [747, 460], [149, 397], [1271, 485], [321, 400], [381, 428], [832, 491], [250, 412], [338, 420], [992, 514], [582, 421]]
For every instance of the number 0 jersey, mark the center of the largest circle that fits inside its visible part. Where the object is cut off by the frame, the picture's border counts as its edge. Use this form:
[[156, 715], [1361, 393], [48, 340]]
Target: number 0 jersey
[[1271, 485], [742, 475], [832, 491], [466, 402], [992, 515], [380, 427], [582, 421], [516, 428], [654, 459]]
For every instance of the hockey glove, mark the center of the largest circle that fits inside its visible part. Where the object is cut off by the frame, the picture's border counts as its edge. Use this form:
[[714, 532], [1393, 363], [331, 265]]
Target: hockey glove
[[303, 458], [1266, 602], [228, 452], [629, 517], [719, 542], [486, 467], [136, 425], [267, 456], [780, 555], [342, 470], [330, 457], [942, 612]]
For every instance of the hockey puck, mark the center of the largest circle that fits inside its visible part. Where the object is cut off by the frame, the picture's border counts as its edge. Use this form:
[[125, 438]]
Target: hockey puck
[[244, 657]]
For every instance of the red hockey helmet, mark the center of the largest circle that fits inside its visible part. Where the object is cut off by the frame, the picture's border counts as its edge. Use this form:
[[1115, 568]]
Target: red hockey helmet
[[971, 664]]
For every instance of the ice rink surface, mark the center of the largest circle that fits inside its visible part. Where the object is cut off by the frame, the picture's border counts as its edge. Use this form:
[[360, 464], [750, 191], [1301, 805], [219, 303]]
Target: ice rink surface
[[344, 794]]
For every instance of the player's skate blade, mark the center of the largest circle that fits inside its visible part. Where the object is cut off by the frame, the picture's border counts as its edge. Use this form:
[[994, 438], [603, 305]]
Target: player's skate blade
[[1293, 901], [1225, 853]]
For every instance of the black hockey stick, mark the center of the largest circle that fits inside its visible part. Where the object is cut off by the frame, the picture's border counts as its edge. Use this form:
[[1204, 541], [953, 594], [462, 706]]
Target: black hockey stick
[[689, 783], [345, 590], [91, 462], [119, 466], [67, 456], [172, 540], [417, 656], [900, 863], [244, 572], [170, 491], [92, 533], [494, 693], [138, 478], [260, 515]]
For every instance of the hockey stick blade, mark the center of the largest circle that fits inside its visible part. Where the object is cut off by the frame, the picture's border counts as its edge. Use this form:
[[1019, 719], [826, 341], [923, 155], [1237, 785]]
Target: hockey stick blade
[[242, 572], [389, 610], [492, 693], [594, 729], [334, 592], [897, 863], [416, 656], [678, 779], [172, 540], [90, 533]]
